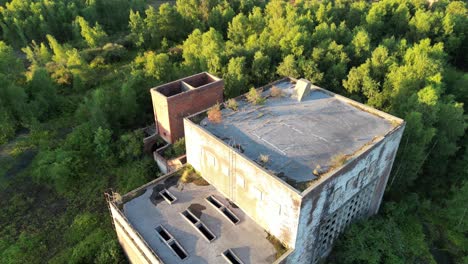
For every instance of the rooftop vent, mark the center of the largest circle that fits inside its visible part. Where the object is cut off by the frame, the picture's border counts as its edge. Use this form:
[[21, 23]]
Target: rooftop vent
[[198, 225], [231, 258], [168, 196], [171, 242], [302, 89], [223, 209]]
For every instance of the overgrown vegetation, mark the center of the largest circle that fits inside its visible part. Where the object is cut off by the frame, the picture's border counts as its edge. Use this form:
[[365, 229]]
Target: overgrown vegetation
[[276, 92], [214, 114], [175, 150], [189, 175], [84, 93], [232, 104], [263, 158], [255, 97]]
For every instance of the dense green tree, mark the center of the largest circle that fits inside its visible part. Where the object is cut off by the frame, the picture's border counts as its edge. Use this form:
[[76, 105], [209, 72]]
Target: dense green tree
[[42, 93], [236, 78], [204, 51], [261, 68], [102, 141], [13, 98], [220, 16], [94, 36], [288, 67]]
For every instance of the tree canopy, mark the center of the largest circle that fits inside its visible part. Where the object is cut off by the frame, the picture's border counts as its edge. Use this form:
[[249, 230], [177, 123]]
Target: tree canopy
[[76, 74]]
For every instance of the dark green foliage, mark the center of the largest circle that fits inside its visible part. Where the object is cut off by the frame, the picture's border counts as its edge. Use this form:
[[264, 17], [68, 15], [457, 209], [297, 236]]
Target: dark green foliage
[[175, 150], [84, 93]]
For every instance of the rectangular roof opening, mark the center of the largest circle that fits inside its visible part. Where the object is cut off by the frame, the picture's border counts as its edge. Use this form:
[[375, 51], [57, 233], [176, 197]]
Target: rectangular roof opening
[[230, 257], [178, 250], [196, 223], [223, 209], [168, 196], [171, 242]]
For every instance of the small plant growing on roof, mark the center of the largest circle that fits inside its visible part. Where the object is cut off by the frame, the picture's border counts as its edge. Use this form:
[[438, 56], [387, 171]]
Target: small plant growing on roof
[[263, 158], [338, 160], [191, 176], [317, 170], [276, 92], [255, 97], [175, 150], [214, 114], [232, 104]]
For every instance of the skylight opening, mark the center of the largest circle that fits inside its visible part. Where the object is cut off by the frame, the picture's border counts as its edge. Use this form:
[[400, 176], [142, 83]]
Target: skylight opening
[[231, 258], [196, 223], [171, 242], [223, 209], [168, 196]]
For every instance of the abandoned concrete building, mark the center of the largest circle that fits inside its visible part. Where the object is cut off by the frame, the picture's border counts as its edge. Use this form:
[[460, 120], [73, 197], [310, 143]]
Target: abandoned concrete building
[[271, 180]]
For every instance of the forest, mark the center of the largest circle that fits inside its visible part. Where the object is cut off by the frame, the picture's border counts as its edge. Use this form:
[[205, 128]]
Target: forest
[[74, 93]]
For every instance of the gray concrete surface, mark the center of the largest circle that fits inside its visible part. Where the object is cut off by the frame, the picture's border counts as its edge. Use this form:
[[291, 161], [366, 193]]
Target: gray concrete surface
[[246, 239], [298, 136]]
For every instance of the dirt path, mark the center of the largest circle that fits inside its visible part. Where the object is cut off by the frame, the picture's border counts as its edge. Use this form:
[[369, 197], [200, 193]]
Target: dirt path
[[11, 163]]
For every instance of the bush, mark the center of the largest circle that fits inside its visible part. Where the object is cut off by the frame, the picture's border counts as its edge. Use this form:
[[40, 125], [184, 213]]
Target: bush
[[254, 97], [113, 52], [175, 150], [264, 158], [232, 104], [191, 176], [214, 114], [276, 92]]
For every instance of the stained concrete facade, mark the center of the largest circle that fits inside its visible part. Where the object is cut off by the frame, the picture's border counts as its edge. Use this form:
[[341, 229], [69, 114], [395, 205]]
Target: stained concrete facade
[[303, 210], [175, 100], [304, 206], [268, 200]]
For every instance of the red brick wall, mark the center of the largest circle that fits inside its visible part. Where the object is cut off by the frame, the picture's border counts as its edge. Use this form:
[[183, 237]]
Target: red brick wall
[[185, 104], [169, 112]]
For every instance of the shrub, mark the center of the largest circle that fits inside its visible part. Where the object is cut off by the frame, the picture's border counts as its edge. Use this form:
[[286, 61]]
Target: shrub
[[255, 97], [175, 150], [232, 104], [276, 92], [214, 114], [263, 158], [190, 175], [179, 147], [113, 52]]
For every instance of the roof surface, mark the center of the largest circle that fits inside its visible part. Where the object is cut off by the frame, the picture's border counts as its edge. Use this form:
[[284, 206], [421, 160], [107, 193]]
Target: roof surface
[[246, 239], [298, 136]]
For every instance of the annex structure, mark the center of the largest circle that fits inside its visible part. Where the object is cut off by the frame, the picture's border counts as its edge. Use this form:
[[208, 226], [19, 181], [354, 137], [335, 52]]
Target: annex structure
[[268, 180]]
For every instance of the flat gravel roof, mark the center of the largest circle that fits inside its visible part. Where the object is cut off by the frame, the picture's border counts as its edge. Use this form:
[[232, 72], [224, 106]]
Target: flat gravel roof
[[148, 210], [298, 136]]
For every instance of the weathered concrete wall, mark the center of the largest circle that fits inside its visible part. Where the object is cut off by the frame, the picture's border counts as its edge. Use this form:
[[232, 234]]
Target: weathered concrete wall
[[360, 183], [169, 111], [273, 204], [132, 243]]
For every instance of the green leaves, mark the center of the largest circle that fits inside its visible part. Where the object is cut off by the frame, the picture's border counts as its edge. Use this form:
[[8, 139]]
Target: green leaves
[[94, 36]]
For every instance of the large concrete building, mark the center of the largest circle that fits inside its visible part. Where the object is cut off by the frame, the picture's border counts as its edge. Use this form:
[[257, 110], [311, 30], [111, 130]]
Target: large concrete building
[[279, 181]]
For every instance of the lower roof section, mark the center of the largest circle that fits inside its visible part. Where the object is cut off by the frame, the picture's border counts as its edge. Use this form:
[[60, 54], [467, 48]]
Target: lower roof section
[[149, 210]]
